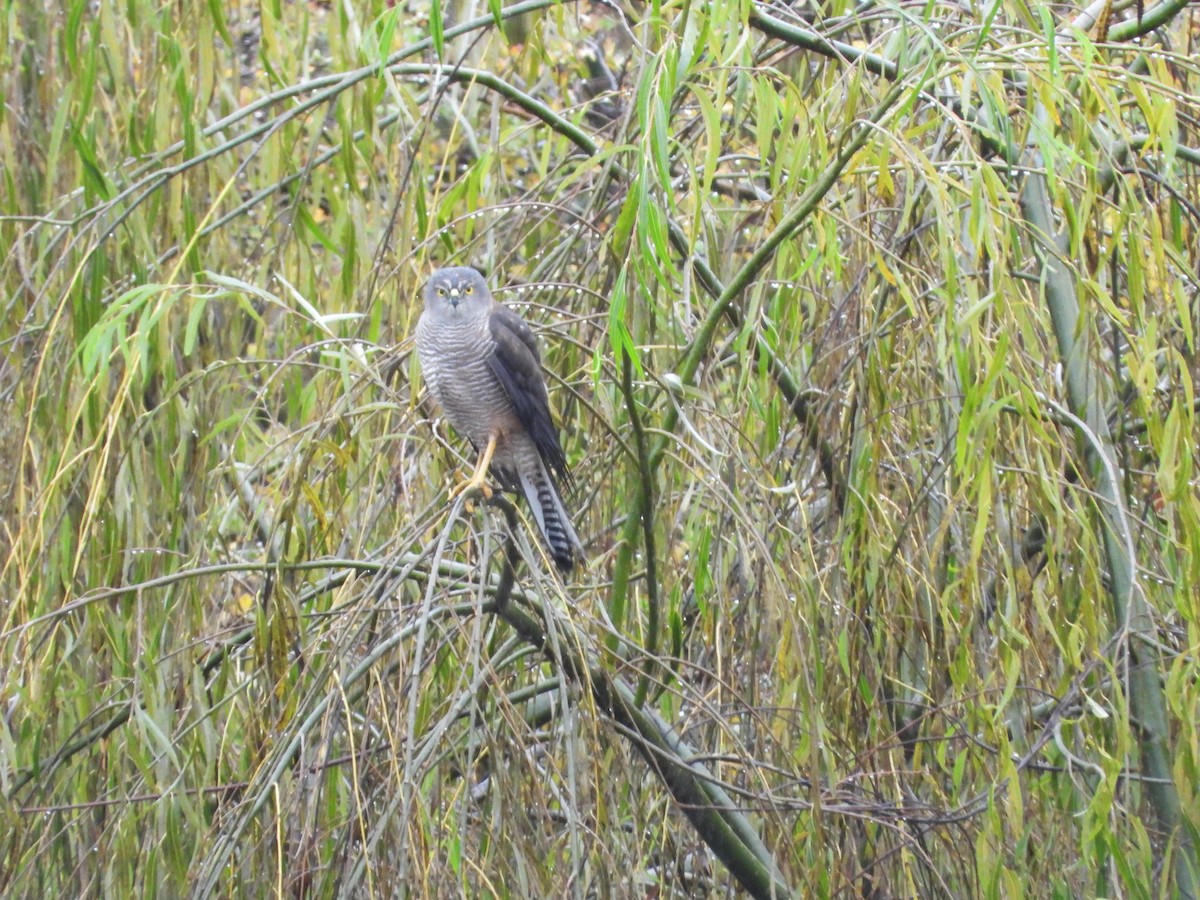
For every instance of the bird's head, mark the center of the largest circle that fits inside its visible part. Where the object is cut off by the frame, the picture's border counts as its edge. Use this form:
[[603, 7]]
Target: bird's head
[[459, 291]]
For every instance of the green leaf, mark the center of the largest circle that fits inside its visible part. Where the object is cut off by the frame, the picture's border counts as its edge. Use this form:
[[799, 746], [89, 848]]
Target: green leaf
[[618, 331], [619, 240], [712, 140], [660, 148], [93, 173], [386, 29], [436, 31], [216, 9], [192, 329], [308, 225]]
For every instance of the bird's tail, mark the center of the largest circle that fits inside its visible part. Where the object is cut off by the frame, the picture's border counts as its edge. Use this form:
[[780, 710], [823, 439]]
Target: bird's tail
[[552, 519]]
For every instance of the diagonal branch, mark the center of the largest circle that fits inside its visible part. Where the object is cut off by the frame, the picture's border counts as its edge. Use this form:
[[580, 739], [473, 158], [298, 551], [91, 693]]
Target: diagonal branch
[[711, 811]]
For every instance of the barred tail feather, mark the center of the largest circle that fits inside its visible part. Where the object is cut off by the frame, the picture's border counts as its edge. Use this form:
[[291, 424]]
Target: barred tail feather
[[552, 519]]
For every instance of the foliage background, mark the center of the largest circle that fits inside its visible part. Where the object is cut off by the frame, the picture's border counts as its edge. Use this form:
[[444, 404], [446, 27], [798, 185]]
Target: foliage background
[[902, 550]]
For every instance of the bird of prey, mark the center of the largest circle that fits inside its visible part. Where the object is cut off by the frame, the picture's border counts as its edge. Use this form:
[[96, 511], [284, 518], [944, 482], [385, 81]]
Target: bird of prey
[[482, 365]]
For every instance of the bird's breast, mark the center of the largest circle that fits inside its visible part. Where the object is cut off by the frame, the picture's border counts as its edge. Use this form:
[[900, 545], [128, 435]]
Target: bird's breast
[[454, 359]]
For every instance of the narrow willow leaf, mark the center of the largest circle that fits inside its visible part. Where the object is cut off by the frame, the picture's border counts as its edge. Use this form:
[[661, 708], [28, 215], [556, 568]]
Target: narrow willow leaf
[[1173, 482], [618, 331], [216, 10], [306, 224], [660, 146], [712, 140], [386, 30], [619, 240], [93, 173], [436, 32], [195, 316]]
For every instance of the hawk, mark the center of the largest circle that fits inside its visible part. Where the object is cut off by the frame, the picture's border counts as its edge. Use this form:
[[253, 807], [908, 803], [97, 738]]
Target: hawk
[[482, 365]]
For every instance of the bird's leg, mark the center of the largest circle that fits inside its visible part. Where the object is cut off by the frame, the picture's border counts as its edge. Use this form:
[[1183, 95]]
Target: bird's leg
[[478, 481]]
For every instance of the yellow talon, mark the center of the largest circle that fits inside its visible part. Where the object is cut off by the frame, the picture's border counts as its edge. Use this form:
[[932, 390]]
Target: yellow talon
[[478, 480]]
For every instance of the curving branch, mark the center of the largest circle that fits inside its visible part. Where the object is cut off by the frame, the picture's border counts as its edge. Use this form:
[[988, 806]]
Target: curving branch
[[808, 39], [711, 811], [1134, 621]]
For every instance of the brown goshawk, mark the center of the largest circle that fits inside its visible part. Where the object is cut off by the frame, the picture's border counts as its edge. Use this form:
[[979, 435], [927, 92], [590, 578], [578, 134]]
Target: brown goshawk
[[482, 365]]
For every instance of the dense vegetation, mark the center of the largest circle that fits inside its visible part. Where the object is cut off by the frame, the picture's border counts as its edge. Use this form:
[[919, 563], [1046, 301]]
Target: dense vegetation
[[871, 329]]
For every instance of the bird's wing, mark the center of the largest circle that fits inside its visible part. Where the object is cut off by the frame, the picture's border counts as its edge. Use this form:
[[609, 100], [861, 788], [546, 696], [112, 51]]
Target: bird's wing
[[518, 367]]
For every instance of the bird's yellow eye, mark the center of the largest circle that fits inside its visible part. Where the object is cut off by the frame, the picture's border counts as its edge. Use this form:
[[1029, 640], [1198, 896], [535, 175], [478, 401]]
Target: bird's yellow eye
[[441, 292], [469, 290]]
